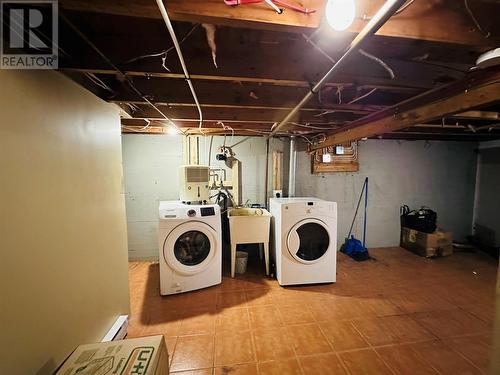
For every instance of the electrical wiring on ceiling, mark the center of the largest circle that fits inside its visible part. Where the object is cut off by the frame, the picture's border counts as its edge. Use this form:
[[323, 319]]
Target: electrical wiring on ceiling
[[119, 71], [146, 127], [308, 126], [362, 52], [379, 61], [317, 47], [171, 31], [98, 82], [486, 34], [403, 7], [226, 127], [362, 96], [163, 54]]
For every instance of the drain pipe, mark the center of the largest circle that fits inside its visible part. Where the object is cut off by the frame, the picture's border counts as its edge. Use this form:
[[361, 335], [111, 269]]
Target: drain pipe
[[376, 22], [292, 167]]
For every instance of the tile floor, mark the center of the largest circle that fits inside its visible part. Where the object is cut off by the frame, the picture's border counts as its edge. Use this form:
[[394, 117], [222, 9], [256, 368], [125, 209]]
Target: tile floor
[[399, 314]]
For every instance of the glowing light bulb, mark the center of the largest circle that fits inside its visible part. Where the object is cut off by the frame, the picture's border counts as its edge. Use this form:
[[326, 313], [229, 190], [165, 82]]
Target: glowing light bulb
[[172, 130], [340, 13]]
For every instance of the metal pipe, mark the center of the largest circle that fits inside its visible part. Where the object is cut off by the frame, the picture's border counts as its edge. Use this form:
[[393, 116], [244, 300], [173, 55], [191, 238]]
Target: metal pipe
[[293, 164], [267, 173], [384, 13], [120, 72], [171, 31]]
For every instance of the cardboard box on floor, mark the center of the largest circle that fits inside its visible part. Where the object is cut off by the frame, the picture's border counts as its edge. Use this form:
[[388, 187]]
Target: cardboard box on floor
[[141, 356], [428, 245]]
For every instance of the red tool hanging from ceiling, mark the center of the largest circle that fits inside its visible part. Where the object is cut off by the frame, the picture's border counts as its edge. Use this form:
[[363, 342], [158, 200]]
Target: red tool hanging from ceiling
[[273, 4]]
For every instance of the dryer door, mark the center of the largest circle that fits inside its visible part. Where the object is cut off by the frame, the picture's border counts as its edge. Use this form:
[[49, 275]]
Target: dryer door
[[308, 241], [190, 247]]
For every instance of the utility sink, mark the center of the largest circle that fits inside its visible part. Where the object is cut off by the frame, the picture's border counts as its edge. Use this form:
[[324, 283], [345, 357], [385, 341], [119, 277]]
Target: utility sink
[[249, 225]]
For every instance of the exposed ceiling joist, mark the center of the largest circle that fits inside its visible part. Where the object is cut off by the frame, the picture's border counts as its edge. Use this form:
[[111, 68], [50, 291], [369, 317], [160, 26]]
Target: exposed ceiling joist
[[478, 115], [479, 89], [359, 82], [422, 20]]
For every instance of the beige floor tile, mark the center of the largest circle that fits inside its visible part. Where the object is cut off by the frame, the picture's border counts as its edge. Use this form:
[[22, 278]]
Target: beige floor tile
[[447, 323], [236, 319], [474, 348], [272, 344], [322, 364], [208, 371], [232, 348], [264, 317], [295, 314], [405, 361], [197, 322], [250, 369], [231, 299], [281, 367], [363, 362], [259, 297], [308, 339], [342, 335], [193, 352], [444, 359], [391, 330]]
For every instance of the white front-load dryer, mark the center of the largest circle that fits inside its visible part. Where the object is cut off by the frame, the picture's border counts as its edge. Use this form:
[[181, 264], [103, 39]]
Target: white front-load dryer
[[190, 246], [304, 240]]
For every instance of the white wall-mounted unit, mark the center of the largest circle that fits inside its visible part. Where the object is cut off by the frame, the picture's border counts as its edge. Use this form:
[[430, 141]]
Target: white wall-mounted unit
[[194, 184]]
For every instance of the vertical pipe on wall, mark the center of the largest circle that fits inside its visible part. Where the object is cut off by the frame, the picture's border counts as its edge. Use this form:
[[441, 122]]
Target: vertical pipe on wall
[[293, 164], [266, 184]]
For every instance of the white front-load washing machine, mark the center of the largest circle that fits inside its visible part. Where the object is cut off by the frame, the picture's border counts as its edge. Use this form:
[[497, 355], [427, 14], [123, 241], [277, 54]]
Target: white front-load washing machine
[[304, 240], [190, 244]]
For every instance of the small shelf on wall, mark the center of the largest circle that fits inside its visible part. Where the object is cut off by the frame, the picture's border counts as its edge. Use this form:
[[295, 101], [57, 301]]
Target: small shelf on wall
[[340, 158]]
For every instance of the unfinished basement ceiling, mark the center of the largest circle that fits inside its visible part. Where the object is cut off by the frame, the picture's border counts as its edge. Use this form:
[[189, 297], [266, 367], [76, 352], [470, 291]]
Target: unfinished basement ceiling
[[265, 67]]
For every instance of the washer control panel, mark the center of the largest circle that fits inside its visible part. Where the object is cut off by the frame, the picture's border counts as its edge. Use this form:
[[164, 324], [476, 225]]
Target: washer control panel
[[207, 211]]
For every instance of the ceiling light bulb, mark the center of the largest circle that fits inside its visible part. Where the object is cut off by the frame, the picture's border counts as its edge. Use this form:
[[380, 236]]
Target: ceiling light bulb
[[340, 13], [171, 130]]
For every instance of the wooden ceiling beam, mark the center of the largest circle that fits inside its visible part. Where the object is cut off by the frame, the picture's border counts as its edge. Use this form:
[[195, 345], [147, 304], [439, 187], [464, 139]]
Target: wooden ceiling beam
[[478, 115], [359, 82], [252, 114], [478, 89], [421, 20]]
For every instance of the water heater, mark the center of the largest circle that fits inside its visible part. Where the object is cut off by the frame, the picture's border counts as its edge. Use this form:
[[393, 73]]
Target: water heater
[[194, 184]]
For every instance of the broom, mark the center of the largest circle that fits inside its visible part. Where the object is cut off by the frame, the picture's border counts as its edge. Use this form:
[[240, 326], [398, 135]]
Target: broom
[[352, 246]]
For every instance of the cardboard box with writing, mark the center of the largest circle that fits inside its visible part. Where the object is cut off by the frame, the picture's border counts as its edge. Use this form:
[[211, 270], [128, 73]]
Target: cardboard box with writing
[[141, 356]]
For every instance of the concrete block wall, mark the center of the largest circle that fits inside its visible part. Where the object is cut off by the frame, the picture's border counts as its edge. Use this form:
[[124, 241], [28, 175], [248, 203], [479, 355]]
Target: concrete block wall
[[150, 164], [487, 203], [440, 175], [437, 174]]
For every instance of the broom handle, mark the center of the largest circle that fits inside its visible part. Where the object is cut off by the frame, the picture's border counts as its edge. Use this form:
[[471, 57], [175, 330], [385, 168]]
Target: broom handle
[[366, 205], [357, 207]]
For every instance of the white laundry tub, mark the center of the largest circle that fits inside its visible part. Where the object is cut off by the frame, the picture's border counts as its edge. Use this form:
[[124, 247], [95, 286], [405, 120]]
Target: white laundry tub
[[249, 225]]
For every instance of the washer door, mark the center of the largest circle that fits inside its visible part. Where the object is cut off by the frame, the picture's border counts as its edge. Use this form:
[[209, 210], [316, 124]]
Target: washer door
[[308, 241], [189, 248]]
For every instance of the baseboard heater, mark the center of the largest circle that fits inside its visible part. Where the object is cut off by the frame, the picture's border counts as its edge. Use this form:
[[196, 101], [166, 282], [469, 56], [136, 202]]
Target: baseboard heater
[[118, 330]]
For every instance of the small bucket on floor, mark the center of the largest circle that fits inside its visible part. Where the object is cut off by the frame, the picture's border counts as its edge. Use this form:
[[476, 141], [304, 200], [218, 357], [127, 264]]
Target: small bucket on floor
[[241, 262]]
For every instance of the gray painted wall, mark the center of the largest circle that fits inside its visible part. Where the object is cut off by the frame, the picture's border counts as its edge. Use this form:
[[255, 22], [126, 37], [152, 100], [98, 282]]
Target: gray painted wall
[[150, 169], [487, 208], [437, 174], [151, 163], [440, 175]]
